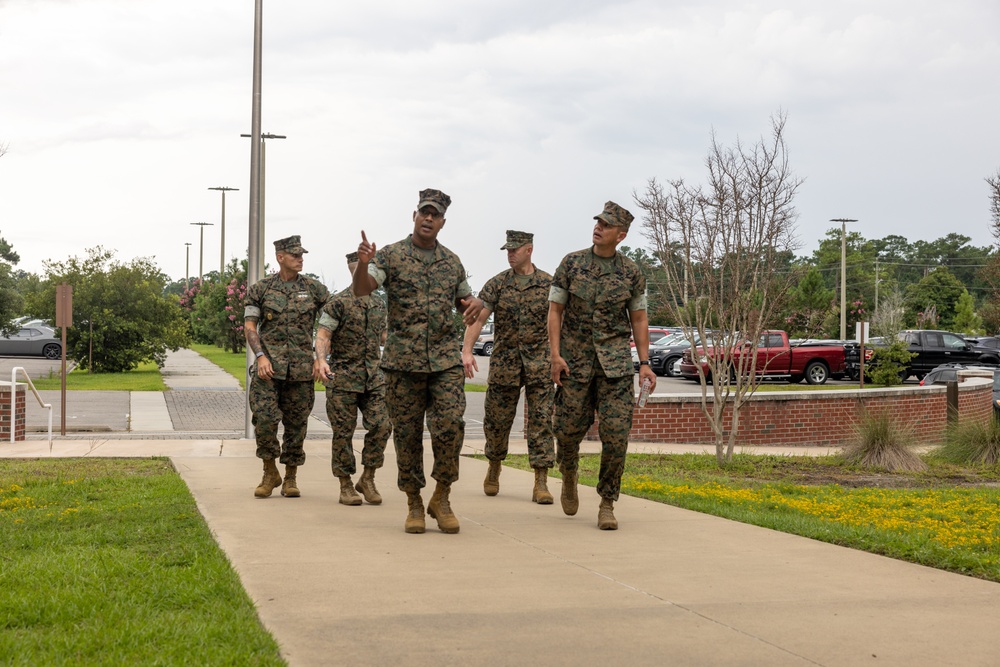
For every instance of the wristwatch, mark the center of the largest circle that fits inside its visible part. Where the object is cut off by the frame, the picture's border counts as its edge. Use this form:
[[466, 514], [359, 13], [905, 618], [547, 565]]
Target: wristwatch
[[644, 363], [259, 355]]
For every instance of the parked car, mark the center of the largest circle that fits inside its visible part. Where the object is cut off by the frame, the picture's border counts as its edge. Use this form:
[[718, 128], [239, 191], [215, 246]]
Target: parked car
[[484, 344], [776, 359], [949, 373], [34, 341], [655, 334], [988, 348], [664, 355]]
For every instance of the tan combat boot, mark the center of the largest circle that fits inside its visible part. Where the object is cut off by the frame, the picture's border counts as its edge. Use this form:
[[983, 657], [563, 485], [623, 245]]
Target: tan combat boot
[[540, 494], [347, 494], [415, 518], [271, 479], [570, 501], [606, 515], [366, 487], [290, 489], [491, 485], [439, 508]]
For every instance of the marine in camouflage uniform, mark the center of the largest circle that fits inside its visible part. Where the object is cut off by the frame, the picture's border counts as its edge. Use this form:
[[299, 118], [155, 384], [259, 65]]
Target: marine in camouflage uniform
[[423, 281], [518, 300], [598, 298], [280, 312], [351, 331]]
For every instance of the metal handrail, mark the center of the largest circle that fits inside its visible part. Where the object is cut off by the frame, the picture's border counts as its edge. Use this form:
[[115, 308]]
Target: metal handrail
[[13, 395]]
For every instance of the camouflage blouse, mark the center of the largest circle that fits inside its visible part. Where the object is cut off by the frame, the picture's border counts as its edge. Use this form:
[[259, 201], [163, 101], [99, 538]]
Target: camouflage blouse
[[521, 338], [422, 287], [356, 325], [285, 313], [596, 324]]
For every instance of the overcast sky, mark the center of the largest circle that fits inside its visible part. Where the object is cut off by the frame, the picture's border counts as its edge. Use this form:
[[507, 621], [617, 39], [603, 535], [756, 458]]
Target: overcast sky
[[119, 114]]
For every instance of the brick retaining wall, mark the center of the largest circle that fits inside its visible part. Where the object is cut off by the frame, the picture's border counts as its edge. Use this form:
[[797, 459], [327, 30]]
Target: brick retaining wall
[[809, 418]]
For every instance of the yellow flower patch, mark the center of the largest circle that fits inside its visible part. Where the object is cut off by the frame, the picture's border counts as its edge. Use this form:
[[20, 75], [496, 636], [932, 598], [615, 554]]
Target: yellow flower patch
[[949, 517]]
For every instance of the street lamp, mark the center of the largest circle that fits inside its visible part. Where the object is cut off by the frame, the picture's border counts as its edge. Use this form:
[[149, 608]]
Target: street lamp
[[187, 266], [201, 249], [260, 215], [843, 274], [222, 251]]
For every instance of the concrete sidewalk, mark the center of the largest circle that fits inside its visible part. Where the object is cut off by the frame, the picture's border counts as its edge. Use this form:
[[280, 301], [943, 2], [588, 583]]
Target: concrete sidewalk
[[525, 584]]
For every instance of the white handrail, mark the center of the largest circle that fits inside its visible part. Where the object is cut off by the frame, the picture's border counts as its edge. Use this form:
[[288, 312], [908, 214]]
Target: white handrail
[[13, 396]]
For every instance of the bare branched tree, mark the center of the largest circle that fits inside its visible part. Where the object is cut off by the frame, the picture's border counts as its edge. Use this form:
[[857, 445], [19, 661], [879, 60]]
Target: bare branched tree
[[994, 183], [890, 318], [720, 245]]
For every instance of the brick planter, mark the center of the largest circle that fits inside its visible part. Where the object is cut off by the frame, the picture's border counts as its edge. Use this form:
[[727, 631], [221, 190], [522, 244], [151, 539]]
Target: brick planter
[[12, 411], [810, 418]]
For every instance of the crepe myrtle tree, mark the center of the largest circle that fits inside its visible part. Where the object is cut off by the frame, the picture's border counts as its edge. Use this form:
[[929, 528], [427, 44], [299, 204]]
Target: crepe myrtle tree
[[721, 245]]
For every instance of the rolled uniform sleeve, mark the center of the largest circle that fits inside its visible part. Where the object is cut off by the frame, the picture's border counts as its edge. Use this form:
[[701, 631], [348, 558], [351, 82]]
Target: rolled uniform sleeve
[[376, 272], [328, 322], [558, 295], [251, 312]]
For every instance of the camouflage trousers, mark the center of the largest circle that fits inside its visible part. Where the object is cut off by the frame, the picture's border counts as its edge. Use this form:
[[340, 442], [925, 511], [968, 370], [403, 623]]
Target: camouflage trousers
[[285, 401], [576, 403], [441, 396], [342, 410], [501, 408]]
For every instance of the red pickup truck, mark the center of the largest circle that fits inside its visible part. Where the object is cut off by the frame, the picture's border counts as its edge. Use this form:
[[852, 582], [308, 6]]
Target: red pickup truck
[[813, 361]]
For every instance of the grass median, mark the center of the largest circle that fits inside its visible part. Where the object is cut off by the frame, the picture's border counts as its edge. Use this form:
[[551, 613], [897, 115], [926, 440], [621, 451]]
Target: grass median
[[947, 517], [108, 562], [144, 378], [235, 365]]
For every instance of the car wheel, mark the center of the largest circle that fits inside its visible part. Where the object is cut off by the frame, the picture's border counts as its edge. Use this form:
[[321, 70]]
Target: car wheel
[[488, 349], [817, 373], [52, 351], [668, 367]]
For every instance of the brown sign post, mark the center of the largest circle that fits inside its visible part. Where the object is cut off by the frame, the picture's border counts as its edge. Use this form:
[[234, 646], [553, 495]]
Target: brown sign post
[[64, 320]]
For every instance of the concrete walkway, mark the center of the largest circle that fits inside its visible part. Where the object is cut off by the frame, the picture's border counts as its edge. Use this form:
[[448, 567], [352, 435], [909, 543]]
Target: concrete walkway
[[525, 584]]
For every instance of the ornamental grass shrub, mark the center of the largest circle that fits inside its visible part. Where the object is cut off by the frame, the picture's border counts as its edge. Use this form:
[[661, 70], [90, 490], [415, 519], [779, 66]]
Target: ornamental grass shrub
[[971, 441], [882, 441]]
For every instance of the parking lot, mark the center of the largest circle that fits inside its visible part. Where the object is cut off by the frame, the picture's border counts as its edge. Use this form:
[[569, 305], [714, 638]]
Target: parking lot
[[35, 367]]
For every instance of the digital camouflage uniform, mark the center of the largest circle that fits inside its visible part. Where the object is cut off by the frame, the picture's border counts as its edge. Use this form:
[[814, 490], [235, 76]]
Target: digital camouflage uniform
[[356, 325], [422, 359], [285, 313], [594, 342], [521, 358]]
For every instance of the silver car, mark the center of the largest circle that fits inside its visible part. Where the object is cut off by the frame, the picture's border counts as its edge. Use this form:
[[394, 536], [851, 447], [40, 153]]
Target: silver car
[[34, 341]]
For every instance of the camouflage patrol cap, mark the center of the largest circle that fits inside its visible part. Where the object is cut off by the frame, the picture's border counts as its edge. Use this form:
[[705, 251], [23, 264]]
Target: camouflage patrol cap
[[352, 257], [435, 198], [615, 215], [291, 245], [516, 239]]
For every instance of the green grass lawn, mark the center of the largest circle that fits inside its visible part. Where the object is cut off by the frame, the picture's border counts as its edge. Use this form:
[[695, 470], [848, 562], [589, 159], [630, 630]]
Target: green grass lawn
[[947, 517], [234, 364], [145, 378], [108, 562]]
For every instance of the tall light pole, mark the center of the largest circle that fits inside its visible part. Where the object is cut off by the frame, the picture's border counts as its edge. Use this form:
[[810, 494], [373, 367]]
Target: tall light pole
[[254, 263], [201, 248], [843, 274], [263, 167], [187, 266], [222, 251]]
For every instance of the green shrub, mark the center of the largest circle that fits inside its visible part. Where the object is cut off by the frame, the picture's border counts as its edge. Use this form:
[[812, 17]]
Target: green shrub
[[889, 363]]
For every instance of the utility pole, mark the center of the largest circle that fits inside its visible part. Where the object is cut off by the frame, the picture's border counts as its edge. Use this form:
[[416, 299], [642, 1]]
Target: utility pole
[[222, 250], [843, 274], [187, 266]]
